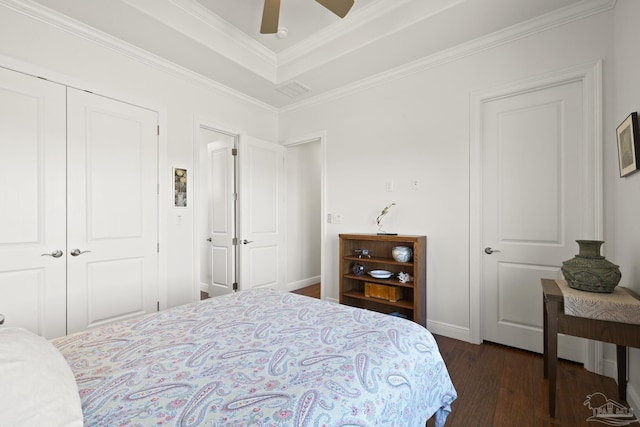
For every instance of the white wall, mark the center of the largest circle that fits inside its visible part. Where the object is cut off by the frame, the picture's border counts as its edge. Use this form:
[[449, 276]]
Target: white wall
[[303, 177], [622, 195], [416, 126], [33, 46]]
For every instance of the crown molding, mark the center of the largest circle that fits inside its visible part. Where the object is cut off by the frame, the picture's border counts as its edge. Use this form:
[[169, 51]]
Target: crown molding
[[62, 22], [216, 34], [304, 56], [348, 24], [528, 28]]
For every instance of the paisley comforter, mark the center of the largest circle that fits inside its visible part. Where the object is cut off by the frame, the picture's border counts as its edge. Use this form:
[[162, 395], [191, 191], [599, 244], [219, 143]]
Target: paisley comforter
[[260, 358]]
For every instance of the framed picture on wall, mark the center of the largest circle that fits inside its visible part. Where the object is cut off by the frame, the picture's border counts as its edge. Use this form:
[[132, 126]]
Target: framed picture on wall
[[628, 148], [180, 187]]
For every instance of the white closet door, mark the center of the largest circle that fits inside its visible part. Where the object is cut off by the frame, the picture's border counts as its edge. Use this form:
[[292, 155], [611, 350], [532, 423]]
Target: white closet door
[[111, 210], [32, 203]]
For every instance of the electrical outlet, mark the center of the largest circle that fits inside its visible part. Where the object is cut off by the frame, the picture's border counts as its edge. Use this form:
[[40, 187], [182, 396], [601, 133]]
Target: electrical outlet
[[388, 186], [415, 185]]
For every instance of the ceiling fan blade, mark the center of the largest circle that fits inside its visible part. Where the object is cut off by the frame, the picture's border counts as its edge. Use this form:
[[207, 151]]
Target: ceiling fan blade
[[339, 7], [270, 16]]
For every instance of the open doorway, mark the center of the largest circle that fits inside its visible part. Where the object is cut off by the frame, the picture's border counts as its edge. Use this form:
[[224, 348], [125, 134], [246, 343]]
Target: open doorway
[[217, 212], [304, 177]]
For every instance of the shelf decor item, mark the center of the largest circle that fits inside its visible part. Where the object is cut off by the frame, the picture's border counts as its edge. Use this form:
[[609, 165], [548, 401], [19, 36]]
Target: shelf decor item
[[384, 212], [401, 253], [357, 269], [589, 271]]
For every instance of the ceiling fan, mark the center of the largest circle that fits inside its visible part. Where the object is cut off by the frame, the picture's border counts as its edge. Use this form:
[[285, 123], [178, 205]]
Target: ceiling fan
[[271, 12]]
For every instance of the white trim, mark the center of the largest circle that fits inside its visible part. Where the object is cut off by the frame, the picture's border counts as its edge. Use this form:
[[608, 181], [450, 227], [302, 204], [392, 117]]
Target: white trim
[[294, 286], [78, 29], [590, 75], [448, 330], [633, 398], [208, 29], [571, 13], [322, 138]]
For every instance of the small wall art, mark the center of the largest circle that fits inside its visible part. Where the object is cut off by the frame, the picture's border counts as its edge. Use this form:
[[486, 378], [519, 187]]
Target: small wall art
[[628, 148], [179, 187]]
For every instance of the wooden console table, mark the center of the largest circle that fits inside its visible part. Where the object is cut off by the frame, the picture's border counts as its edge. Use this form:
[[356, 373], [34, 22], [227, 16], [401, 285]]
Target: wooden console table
[[556, 322]]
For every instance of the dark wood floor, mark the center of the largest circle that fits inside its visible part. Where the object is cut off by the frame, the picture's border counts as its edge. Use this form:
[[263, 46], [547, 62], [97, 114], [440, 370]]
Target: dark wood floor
[[502, 386], [310, 291]]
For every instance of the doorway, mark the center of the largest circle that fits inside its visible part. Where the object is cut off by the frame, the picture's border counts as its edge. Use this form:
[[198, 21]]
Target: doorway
[[305, 207], [239, 212], [526, 215], [217, 212]]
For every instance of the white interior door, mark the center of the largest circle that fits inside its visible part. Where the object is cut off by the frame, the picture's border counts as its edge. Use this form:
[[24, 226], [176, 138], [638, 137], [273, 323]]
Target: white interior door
[[32, 197], [535, 205], [112, 210], [262, 216], [221, 216]]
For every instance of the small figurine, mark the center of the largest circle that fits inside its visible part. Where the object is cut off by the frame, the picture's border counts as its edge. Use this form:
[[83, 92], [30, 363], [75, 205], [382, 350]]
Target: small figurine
[[405, 277]]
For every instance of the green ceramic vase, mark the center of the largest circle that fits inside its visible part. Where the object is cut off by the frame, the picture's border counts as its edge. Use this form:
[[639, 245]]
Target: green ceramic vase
[[590, 271]]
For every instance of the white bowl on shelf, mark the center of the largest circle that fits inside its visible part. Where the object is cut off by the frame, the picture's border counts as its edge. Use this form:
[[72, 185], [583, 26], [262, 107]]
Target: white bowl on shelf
[[380, 274]]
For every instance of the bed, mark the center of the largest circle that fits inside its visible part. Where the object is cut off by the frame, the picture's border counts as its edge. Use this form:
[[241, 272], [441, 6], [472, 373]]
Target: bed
[[255, 358]]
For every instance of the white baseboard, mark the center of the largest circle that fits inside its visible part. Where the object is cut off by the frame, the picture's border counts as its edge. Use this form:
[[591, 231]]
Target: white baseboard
[[450, 331], [610, 368], [294, 286], [204, 287], [633, 398]]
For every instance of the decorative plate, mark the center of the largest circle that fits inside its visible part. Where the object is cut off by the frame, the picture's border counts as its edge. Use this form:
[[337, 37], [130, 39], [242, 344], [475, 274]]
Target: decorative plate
[[380, 274]]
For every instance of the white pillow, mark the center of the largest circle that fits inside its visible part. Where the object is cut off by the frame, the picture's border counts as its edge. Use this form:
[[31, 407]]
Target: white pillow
[[36, 383]]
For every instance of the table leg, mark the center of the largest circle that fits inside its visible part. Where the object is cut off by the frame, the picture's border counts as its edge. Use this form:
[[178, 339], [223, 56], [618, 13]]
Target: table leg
[[552, 352], [621, 356], [545, 337]]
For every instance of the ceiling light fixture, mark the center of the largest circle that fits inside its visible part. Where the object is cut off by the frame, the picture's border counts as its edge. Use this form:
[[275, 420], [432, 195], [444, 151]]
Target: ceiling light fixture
[[282, 32]]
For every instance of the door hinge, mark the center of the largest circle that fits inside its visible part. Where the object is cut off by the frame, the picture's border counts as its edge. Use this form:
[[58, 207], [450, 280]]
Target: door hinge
[[158, 130], [234, 197], [234, 151], [234, 241], [158, 189], [158, 247], [158, 305], [235, 286]]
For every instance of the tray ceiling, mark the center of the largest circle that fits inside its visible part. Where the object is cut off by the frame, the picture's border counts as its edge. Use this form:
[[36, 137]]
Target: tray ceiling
[[220, 40]]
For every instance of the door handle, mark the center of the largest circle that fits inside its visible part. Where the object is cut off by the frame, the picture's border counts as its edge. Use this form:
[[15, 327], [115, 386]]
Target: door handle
[[487, 250], [209, 239], [56, 254], [246, 242], [77, 252]]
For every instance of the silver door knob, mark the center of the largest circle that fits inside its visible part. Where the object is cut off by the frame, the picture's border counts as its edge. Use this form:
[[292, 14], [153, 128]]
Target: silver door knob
[[246, 242], [77, 252], [209, 239], [56, 254], [487, 250]]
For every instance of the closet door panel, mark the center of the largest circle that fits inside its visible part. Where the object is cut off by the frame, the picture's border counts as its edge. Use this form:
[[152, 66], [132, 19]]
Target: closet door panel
[[112, 210], [32, 203]]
